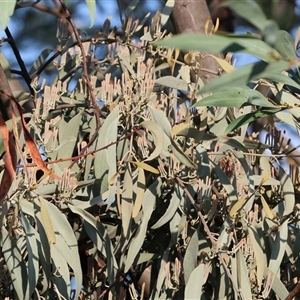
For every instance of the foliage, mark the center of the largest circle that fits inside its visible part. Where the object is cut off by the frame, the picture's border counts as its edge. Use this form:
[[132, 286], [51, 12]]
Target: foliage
[[142, 182]]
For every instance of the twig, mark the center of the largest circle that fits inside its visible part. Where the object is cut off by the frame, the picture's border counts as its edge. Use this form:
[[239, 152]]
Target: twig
[[97, 111], [294, 292], [181, 184], [83, 154], [118, 279], [19, 59]]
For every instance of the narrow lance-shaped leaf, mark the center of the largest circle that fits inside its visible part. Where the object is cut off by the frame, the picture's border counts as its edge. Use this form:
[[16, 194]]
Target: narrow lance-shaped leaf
[[71, 252], [221, 43], [127, 202], [145, 166], [141, 187], [158, 136], [92, 9], [10, 160], [248, 118], [7, 9], [33, 255], [193, 289], [47, 221], [15, 264], [236, 97], [138, 240]]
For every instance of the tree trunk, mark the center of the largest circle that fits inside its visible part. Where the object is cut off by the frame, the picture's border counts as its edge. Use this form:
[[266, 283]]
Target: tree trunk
[[190, 16]]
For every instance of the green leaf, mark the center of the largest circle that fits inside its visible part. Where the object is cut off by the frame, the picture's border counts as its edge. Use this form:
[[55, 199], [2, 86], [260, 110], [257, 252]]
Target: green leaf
[[259, 255], [131, 7], [243, 278], [172, 82], [285, 44], [64, 234], [190, 257], [61, 272], [7, 10], [148, 206], [171, 210], [180, 155], [287, 191], [236, 97], [193, 289], [141, 187], [5, 65], [43, 247], [15, 263], [248, 10], [45, 219], [277, 285], [101, 166], [68, 131], [96, 229], [166, 12], [40, 61], [248, 118], [111, 137], [248, 73], [127, 203], [33, 255], [278, 248], [158, 136], [92, 9], [221, 44]]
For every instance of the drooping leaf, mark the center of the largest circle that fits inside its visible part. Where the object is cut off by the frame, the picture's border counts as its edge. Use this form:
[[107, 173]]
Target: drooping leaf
[[141, 188], [65, 131], [33, 255], [61, 272], [97, 229], [288, 192], [101, 167], [68, 242], [40, 61], [166, 12], [190, 258], [157, 133], [10, 160], [45, 217], [278, 248], [139, 237], [15, 264], [193, 289], [173, 206], [260, 256], [131, 7], [277, 285], [242, 275], [127, 202], [92, 9]]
